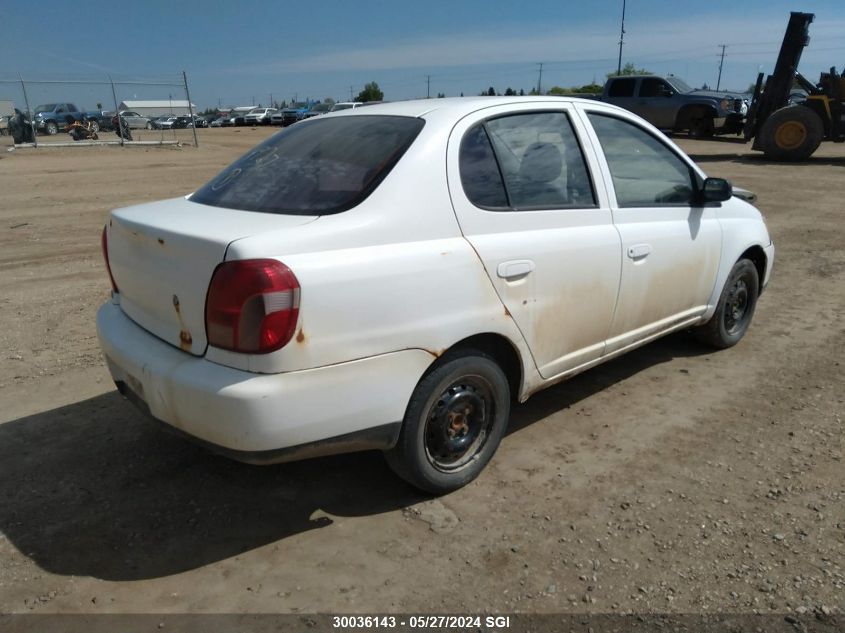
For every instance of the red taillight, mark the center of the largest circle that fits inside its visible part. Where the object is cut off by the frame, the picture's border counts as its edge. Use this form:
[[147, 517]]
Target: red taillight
[[104, 242], [252, 306]]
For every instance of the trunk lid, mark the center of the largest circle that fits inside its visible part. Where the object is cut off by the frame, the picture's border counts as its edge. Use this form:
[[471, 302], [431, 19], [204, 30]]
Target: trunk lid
[[162, 256]]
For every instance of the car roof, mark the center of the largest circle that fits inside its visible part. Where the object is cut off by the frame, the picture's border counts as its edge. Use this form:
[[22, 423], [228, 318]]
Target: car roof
[[456, 106]]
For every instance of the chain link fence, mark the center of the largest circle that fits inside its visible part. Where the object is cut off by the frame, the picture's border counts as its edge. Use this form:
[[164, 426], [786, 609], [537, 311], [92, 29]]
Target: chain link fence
[[74, 111]]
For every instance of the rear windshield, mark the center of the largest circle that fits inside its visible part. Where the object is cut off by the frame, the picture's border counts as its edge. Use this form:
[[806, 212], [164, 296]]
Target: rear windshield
[[315, 167]]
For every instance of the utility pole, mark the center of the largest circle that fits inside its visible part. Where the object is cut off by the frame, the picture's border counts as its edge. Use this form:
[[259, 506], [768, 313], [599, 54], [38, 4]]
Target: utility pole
[[271, 101], [621, 40], [253, 101], [350, 93], [428, 86], [540, 80], [721, 62]]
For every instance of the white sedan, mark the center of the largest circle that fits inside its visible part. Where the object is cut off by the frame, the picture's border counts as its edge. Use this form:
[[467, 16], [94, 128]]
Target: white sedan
[[391, 277]]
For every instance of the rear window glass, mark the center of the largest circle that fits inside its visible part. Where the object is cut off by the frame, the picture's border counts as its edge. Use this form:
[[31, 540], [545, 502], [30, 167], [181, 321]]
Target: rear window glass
[[315, 167]]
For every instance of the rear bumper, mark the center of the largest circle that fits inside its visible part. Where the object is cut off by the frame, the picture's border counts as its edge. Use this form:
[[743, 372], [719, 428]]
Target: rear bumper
[[261, 418]]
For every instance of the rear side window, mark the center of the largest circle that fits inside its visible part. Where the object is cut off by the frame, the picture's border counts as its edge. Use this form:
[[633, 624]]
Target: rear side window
[[525, 161], [316, 167], [621, 88], [479, 171]]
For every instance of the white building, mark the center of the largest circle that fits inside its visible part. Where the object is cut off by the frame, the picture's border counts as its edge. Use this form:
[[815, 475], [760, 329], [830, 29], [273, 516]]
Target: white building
[[158, 108]]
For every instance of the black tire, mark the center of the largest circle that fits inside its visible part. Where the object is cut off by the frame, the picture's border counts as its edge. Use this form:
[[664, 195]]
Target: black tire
[[701, 127], [95, 127], [52, 128], [454, 422], [792, 133], [149, 125], [735, 309]]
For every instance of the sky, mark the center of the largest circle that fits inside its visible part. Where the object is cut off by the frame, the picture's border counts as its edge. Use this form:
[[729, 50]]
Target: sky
[[244, 52]]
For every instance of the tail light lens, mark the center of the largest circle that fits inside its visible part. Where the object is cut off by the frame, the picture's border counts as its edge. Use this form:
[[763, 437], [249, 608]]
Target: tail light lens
[[252, 306], [104, 243]]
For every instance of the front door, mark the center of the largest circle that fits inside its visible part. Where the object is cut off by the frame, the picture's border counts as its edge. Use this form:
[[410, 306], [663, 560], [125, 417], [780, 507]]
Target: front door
[[671, 245]]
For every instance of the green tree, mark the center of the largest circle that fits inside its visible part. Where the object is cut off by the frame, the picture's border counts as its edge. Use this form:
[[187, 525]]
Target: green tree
[[491, 92], [630, 69], [371, 92], [510, 92]]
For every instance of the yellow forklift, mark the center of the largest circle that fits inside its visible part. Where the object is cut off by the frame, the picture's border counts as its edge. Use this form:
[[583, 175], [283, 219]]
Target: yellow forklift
[[789, 131]]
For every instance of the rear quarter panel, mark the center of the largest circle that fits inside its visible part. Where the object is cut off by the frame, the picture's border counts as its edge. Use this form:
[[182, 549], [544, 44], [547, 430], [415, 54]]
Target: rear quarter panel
[[393, 273]]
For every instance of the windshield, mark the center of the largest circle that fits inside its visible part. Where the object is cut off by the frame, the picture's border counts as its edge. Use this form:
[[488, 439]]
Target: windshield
[[679, 84], [315, 167], [47, 107]]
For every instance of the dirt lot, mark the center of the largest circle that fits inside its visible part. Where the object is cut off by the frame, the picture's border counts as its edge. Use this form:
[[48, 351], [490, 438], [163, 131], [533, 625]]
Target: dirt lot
[[673, 479]]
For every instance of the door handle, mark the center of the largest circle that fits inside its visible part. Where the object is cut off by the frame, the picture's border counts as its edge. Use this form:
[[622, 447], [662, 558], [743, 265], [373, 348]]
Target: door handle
[[638, 251], [515, 268]]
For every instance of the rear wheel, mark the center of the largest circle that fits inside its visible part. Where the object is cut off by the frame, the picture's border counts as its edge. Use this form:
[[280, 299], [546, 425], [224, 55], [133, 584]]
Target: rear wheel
[[95, 127], [454, 423], [52, 128], [735, 309], [791, 133], [149, 125]]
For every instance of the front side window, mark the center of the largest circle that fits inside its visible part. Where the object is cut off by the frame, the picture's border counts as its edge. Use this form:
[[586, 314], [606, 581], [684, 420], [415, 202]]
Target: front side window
[[645, 172], [653, 87], [318, 167], [525, 161]]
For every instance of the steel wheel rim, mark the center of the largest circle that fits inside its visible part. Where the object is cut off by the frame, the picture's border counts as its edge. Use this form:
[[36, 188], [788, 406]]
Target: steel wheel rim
[[459, 423], [791, 135], [736, 306]]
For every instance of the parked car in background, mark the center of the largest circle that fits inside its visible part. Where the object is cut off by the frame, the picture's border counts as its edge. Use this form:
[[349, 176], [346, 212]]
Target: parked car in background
[[424, 263], [164, 122], [346, 105], [219, 121], [136, 121], [53, 117], [317, 109], [204, 120], [259, 116], [669, 103], [291, 114], [182, 122], [237, 115]]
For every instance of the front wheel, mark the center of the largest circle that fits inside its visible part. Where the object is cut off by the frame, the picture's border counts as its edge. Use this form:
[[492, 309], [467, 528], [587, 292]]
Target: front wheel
[[735, 309], [701, 127], [454, 423], [149, 125], [52, 128]]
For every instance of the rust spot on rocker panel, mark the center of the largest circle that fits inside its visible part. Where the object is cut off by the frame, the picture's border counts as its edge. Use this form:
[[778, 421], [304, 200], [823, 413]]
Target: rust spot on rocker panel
[[161, 241], [300, 336], [185, 340]]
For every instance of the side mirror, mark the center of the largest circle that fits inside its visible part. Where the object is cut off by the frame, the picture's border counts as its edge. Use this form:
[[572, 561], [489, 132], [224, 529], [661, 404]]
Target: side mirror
[[716, 190]]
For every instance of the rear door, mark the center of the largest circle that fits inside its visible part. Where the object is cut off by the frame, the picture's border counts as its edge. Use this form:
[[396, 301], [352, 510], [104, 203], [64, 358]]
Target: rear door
[[523, 189], [671, 246]]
